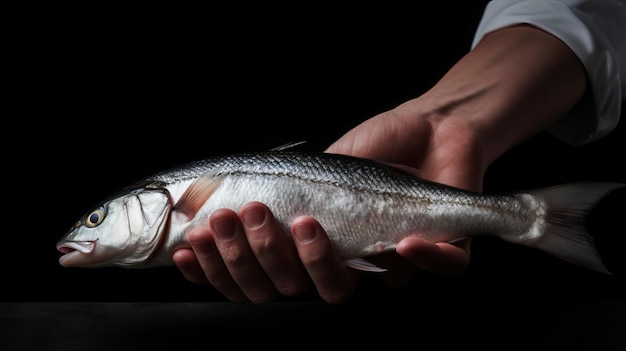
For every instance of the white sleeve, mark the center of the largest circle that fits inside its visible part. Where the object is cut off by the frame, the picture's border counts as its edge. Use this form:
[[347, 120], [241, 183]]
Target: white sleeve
[[595, 30]]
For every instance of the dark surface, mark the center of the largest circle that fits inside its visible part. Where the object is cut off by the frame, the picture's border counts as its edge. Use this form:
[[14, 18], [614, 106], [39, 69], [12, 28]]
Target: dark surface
[[109, 102], [515, 324]]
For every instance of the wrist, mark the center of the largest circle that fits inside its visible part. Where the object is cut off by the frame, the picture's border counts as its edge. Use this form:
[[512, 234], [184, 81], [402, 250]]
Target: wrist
[[456, 151], [515, 83]]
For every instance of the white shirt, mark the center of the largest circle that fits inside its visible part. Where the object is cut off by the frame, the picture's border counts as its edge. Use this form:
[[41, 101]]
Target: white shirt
[[595, 30]]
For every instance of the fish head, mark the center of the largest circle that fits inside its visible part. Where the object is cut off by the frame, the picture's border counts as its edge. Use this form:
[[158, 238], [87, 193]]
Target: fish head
[[122, 231]]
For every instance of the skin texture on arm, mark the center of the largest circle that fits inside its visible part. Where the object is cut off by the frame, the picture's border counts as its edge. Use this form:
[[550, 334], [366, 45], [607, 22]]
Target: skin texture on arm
[[516, 82]]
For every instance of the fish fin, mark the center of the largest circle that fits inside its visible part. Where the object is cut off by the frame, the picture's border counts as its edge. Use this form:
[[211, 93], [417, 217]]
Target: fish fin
[[197, 194], [288, 145], [363, 265], [457, 240], [566, 236]]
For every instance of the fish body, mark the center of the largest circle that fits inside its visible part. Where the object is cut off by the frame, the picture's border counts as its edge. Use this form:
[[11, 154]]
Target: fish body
[[366, 208]]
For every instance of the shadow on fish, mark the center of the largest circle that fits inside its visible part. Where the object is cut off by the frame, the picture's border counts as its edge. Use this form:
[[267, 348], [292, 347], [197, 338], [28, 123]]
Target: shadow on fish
[[366, 208]]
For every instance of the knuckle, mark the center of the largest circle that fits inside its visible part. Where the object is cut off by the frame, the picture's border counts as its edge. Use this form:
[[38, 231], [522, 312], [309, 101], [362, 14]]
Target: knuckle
[[233, 256]]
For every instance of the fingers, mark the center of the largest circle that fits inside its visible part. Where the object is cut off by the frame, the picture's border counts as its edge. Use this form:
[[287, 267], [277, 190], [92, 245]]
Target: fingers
[[237, 257], [439, 258], [335, 283], [273, 249], [204, 264], [250, 257], [185, 260], [246, 256]]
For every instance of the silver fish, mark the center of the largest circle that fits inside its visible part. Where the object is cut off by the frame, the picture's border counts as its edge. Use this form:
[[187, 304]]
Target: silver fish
[[365, 206]]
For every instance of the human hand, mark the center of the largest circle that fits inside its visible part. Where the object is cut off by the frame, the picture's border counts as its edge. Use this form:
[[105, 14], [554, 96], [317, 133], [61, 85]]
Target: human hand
[[445, 150], [249, 256]]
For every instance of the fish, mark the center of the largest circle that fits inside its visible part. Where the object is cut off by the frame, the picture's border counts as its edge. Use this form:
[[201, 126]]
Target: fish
[[365, 206]]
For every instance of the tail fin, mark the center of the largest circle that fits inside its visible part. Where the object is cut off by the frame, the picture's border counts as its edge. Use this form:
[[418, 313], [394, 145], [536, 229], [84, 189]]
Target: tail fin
[[566, 236]]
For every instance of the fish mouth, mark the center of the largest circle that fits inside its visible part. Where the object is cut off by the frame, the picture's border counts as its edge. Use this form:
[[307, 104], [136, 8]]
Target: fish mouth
[[73, 251]]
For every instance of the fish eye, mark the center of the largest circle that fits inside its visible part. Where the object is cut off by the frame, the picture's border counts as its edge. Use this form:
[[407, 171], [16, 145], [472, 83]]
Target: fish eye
[[95, 218]]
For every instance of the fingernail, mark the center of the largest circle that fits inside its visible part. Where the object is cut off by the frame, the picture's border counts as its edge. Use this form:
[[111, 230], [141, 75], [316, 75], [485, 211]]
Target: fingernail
[[202, 247], [224, 229], [253, 217], [304, 233]]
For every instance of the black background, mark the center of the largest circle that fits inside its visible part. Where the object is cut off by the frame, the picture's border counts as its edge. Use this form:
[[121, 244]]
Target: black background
[[103, 100]]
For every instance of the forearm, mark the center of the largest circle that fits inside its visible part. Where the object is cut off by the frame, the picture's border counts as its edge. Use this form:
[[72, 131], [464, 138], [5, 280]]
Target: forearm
[[515, 83]]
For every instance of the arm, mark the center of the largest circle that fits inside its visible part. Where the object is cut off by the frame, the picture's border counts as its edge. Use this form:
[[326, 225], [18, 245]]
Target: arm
[[515, 83], [593, 30]]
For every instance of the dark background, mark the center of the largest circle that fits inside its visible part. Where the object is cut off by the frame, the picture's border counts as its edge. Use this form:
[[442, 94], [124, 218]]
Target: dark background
[[104, 100]]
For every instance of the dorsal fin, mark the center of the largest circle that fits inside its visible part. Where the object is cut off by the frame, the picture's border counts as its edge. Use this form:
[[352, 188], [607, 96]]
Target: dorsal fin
[[288, 145]]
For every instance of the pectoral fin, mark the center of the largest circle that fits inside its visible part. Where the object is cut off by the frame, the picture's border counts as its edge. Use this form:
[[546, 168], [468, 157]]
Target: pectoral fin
[[197, 194]]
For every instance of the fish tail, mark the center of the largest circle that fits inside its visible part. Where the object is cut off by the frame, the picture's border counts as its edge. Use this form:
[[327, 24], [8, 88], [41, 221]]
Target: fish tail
[[566, 235]]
